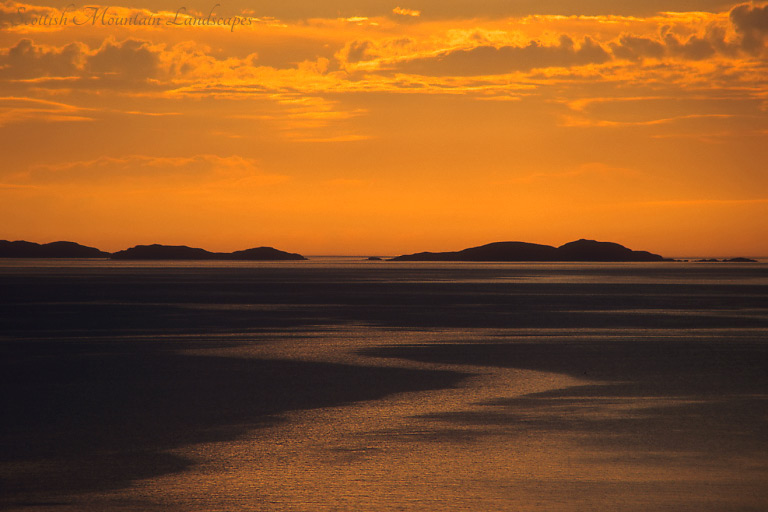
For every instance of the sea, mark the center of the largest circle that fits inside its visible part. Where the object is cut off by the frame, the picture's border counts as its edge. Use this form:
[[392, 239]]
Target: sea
[[342, 384]]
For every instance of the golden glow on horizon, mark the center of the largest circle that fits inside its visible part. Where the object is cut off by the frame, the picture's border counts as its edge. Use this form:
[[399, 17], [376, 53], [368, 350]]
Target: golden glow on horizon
[[386, 131]]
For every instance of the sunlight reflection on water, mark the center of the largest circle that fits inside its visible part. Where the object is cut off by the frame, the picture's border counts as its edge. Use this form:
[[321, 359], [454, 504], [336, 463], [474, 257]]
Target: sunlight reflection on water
[[584, 387]]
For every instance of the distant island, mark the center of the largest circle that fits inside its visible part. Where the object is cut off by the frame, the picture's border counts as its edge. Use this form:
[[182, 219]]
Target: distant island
[[727, 260], [182, 252], [580, 250], [22, 249]]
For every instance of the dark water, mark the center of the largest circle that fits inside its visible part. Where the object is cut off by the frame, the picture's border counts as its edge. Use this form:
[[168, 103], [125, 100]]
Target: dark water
[[344, 385]]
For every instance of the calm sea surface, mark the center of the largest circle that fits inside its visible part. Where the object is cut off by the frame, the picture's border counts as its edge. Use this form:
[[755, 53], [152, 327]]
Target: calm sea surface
[[343, 384]]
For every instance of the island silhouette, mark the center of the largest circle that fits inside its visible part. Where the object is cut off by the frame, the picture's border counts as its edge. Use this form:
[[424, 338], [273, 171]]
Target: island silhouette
[[182, 252], [23, 249], [727, 260], [580, 250]]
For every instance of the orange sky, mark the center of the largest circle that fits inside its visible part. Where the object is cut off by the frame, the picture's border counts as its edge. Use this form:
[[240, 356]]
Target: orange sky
[[376, 127]]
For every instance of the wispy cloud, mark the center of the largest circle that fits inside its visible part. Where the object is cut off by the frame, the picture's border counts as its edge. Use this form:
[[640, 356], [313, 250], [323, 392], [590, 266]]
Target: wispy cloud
[[583, 122], [406, 12], [703, 202], [336, 138], [18, 109], [160, 170]]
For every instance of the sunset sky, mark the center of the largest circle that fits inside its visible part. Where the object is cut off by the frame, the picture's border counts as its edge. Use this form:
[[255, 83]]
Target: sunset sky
[[386, 127]]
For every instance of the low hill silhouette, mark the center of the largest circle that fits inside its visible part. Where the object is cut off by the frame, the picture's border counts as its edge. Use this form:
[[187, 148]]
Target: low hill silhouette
[[580, 250], [182, 252], [24, 249]]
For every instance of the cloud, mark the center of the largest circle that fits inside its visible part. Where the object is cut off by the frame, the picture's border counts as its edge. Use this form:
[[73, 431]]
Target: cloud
[[128, 63], [743, 30], [704, 202], [10, 13], [491, 60], [682, 37], [632, 47], [406, 12], [27, 60], [694, 48], [130, 60], [581, 122], [460, 56], [361, 51], [336, 138], [747, 17], [15, 109], [752, 23]]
